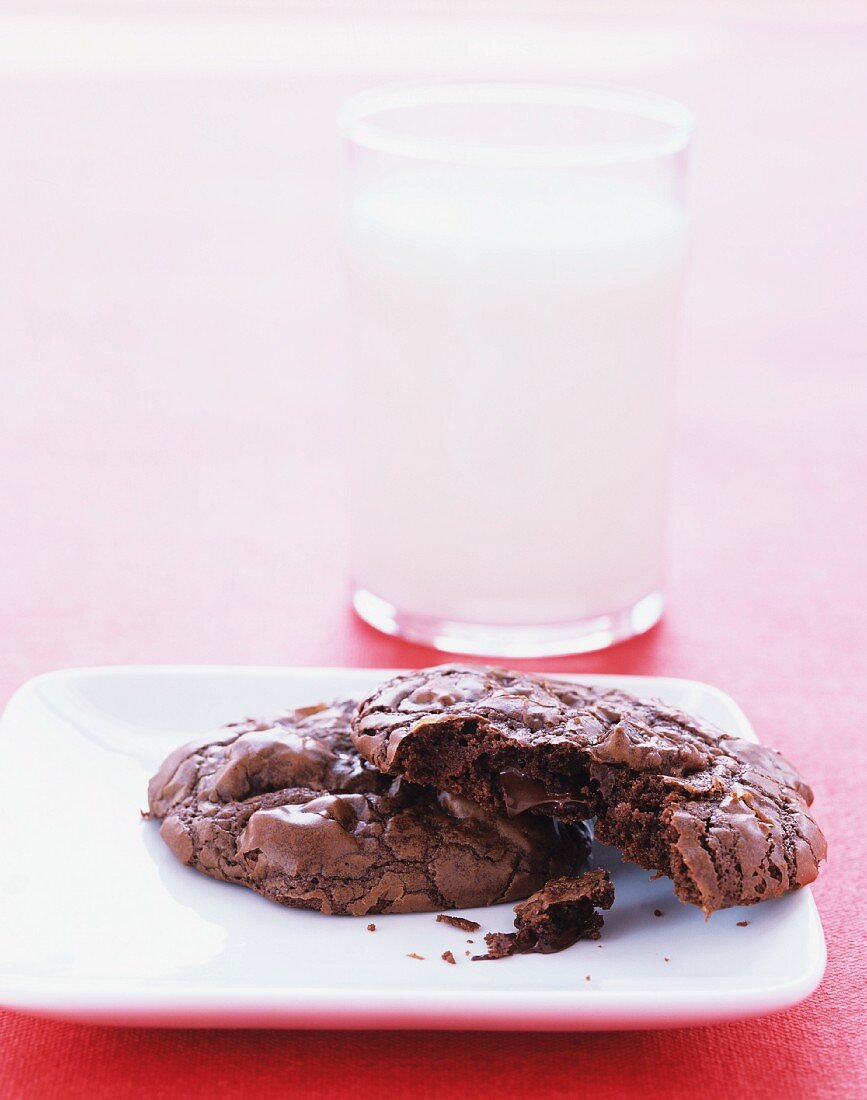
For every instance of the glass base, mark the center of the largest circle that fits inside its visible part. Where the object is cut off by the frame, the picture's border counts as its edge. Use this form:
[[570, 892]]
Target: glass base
[[480, 640]]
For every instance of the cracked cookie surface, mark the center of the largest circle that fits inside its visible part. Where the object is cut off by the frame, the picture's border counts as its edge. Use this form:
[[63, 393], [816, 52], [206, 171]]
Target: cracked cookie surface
[[289, 808], [727, 819]]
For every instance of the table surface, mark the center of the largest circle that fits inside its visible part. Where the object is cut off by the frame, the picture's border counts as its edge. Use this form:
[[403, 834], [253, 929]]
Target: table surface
[[173, 465]]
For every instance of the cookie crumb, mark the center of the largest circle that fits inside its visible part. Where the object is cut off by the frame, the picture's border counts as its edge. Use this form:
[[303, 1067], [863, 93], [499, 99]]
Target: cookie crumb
[[470, 941], [657, 912], [586, 977], [467, 952], [665, 958], [555, 917], [371, 928], [743, 923], [448, 957], [459, 922], [413, 955]]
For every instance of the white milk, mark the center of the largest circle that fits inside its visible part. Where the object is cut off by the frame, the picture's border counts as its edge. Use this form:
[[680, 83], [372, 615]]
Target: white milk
[[513, 375]]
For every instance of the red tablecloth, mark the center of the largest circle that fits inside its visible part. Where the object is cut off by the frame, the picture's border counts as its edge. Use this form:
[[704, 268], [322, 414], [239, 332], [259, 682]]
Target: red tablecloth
[[172, 457]]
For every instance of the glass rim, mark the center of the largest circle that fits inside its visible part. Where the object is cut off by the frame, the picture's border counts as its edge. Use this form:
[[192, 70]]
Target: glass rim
[[356, 121]]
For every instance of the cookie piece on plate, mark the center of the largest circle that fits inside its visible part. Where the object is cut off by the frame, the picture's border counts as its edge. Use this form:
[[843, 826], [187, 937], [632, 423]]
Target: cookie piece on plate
[[727, 819], [561, 913], [290, 809]]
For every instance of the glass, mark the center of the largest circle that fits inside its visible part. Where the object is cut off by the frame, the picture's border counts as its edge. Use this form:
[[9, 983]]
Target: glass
[[515, 258]]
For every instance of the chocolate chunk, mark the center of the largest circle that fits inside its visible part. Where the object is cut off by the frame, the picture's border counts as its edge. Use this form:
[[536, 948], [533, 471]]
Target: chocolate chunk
[[460, 922], [288, 808], [728, 820], [371, 928], [561, 913]]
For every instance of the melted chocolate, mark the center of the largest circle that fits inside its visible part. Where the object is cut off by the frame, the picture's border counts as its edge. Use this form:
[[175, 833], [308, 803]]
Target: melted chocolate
[[522, 793]]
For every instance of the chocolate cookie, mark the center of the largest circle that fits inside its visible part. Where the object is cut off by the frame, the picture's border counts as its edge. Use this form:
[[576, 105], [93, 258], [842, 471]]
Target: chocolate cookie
[[561, 913], [725, 818], [290, 809]]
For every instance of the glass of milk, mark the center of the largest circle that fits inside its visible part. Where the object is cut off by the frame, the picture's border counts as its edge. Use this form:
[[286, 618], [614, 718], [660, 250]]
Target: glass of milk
[[515, 256]]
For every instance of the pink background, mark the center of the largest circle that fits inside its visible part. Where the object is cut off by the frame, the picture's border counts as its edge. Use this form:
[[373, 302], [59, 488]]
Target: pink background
[[172, 463]]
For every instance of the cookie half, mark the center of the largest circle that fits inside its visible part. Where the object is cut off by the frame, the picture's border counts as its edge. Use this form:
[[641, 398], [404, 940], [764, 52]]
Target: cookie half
[[727, 819]]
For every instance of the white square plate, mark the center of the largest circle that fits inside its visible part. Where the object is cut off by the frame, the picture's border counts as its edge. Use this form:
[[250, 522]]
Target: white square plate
[[99, 922]]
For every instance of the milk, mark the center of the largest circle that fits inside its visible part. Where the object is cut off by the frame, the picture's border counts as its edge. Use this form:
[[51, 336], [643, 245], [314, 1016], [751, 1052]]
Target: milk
[[512, 356]]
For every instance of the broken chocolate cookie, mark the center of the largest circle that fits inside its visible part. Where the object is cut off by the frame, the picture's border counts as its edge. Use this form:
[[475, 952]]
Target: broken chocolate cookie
[[727, 819]]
